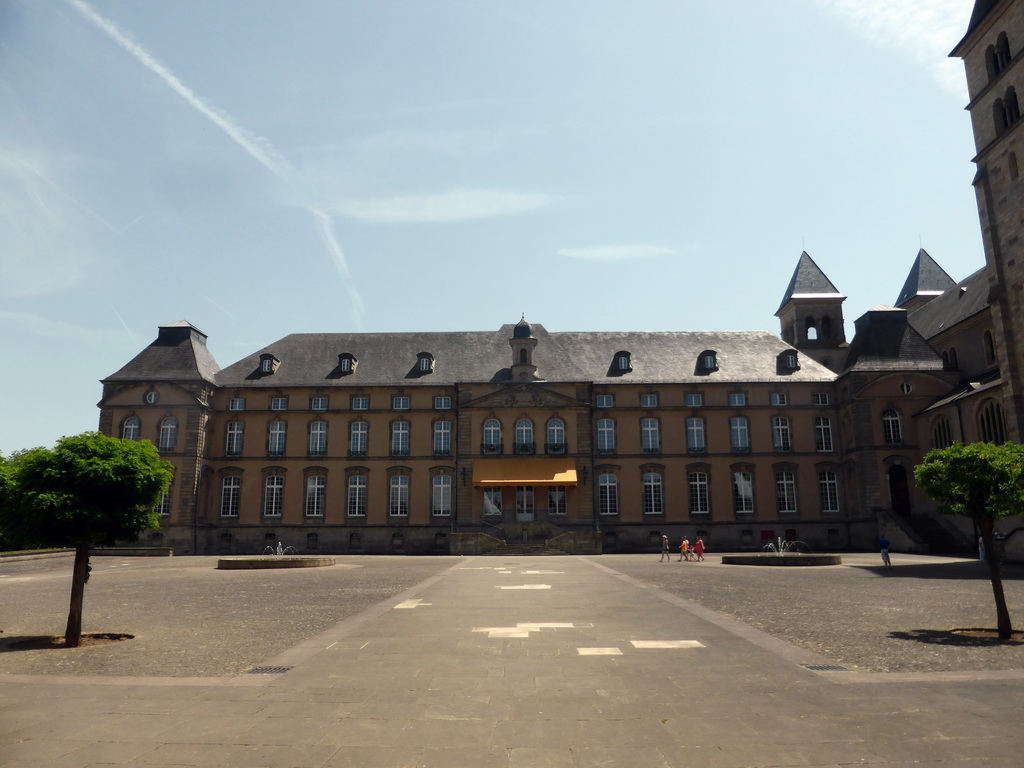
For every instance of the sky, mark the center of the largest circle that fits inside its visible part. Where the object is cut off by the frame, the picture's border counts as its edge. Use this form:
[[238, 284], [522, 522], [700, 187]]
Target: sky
[[261, 169]]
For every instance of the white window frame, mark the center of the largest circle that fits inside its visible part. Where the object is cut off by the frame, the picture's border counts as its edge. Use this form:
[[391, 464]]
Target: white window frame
[[360, 403], [828, 490], [823, 434], [607, 494], [441, 496], [279, 403], [778, 398], [273, 496], [737, 399], [696, 441], [442, 438], [653, 493], [819, 398], [556, 500], [649, 400], [398, 496], [316, 495], [355, 496], [555, 434], [358, 438], [492, 501], [604, 401], [318, 438], [442, 403], [400, 438], [234, 439], [132, 428], [650, 435], [277, 438], [700, 495], [230, 496], [492, 436], [236, 404], [782, 436], [318, 403], [742, 492], [168, 437], [524, 436], [892, 427], [694, 400], [739, 433], [400, 403], [606, 435], [785, 492]]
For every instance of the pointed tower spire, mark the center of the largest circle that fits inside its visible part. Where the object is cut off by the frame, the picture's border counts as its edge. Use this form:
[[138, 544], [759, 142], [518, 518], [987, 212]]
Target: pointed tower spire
[[925, 281], [811, 314]]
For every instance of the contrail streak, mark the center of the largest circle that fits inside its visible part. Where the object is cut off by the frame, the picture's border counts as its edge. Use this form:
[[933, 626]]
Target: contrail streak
[[259, 148]]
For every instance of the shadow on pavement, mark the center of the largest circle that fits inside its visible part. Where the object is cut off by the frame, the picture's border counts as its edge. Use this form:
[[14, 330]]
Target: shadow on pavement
[[970, 570], [961, 637]]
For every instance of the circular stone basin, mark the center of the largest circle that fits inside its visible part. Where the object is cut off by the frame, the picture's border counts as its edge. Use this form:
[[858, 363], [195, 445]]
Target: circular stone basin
[[786, 558], [257, 562]]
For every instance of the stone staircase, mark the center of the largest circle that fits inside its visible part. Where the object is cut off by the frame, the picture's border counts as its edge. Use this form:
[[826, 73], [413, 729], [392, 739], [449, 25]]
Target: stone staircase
[[526, 548]]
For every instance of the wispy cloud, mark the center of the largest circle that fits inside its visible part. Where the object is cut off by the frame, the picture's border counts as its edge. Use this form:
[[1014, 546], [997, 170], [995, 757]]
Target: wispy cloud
[[67, 334], [258, 147], [446, 207], [616, 252], [925, 30]]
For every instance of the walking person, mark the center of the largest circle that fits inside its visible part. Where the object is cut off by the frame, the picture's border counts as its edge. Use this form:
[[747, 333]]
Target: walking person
[[698, 550], [883, 545], [665, 555], [684, 549]]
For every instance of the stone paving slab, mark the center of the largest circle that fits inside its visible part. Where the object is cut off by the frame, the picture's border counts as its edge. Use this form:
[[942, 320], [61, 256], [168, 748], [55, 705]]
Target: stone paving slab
[[418, 686]]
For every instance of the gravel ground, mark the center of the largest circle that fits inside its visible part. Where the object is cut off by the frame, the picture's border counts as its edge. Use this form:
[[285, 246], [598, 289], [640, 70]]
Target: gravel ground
[[191, 620], [859, 614]]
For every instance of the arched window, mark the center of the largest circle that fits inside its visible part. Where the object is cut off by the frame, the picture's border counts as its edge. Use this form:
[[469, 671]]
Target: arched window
[[524, 436], [942, 433], [954, 363], [892, 428], [826, 327], [131, 428], [811, 328], [556, 436], [168, 434], [990, 347], [991, 424], [653, 496], [492, 436]]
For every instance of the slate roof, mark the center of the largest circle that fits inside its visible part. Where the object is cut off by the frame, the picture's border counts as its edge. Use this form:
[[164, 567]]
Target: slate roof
[[885, 341], [808, 282], [178, 354], [926, 278], [964, 299], [981, 10], [485, 356]]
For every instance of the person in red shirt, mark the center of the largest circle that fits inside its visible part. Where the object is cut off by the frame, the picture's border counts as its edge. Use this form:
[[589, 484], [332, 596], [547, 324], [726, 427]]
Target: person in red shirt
[[698, 549]]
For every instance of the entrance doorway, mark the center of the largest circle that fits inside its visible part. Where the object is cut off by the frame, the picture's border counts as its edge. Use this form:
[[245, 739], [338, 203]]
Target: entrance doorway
[[899, 490]]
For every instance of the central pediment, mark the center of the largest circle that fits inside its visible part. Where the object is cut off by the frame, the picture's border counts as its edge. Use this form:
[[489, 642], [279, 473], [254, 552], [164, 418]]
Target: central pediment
[[524, 396]]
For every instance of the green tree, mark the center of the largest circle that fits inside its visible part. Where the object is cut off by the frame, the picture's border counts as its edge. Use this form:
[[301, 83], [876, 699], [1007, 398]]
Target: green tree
[[985, 482], [88, 490]]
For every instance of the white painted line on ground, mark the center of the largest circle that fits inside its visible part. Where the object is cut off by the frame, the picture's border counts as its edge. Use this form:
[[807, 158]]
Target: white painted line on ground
[[546, 625], [599, 651], [529, 586], [414, 603], [525, 628], [666, 644], [542, 573]]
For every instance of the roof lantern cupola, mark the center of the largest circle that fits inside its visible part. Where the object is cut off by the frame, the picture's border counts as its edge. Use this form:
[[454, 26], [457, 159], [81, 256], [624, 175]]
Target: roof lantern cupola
[[523, 343]]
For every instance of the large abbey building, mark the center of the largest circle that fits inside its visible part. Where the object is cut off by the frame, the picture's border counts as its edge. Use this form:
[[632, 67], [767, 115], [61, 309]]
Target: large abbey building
[[426, 443]]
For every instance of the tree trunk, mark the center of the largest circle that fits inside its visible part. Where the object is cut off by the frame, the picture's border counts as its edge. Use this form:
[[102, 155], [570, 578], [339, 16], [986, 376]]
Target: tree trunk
[[73, 632], [987, 526]]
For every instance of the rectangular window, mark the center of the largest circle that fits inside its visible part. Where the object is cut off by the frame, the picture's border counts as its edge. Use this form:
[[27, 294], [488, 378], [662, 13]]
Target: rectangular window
[[442, 403], [695, 434], [279, 403], [316, 487], [164, 507], [318, 403], [742, 492], [231, 490], [654, 503], [524, 500], [700, 503], [739, 433], [355, 504], [556, 499], [737, 399], [650, 436], [820, 398], [607, 494], [492, 501], [400, 438], [236, 404], [649, 401], [777, 398], [694, 400], [785, 491], [823, 434], [233, 443], [400, 403], [604, 401], [605, 436], [441, 496], [828, 488], [358, 438], [398, 496], [276, 438], [360, 403], [273, 496], [442, 438], [318, 438], [780, 433]]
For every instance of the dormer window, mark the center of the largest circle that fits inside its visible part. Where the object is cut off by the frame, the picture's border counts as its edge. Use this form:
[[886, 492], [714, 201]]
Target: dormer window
[[425, 362], [788, 362], [707, 362], [268, 363], [346, 363], [622, 363]]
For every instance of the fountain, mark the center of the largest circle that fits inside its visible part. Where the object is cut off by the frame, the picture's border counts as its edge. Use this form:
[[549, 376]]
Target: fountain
[[783, 552], [273, 557]]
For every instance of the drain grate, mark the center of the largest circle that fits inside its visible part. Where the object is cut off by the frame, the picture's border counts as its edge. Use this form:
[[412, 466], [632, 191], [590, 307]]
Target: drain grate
[[827, 668], [268, 670]]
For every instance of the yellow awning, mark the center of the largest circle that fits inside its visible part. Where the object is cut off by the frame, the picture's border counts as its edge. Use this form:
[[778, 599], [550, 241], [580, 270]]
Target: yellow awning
[[492, 472]]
